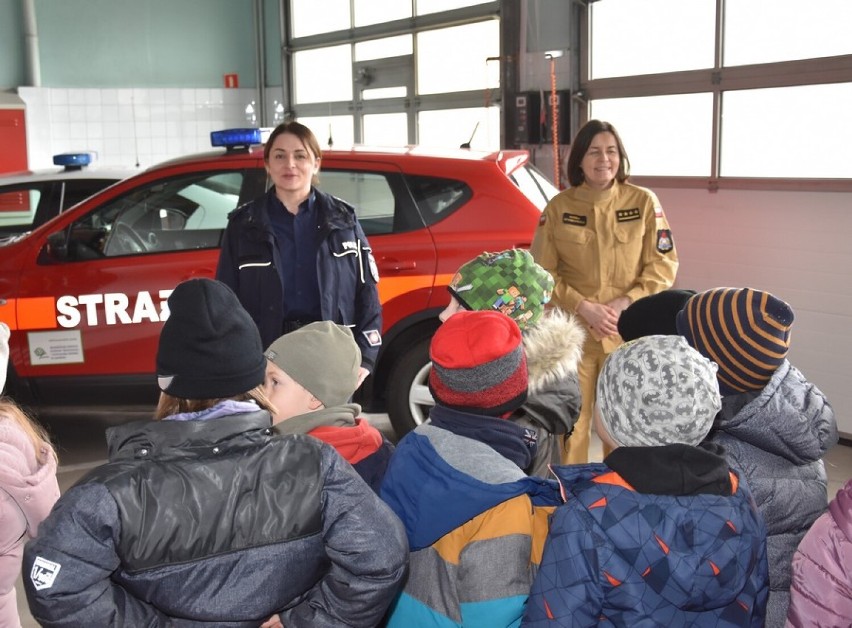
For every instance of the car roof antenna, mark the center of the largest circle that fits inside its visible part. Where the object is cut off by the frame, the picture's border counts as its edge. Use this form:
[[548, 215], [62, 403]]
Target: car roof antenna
[[467, 143]]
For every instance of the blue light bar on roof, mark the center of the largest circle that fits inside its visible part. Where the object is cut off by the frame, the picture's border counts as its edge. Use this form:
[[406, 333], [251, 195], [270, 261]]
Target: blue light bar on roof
[[72, 160], [235, 138]]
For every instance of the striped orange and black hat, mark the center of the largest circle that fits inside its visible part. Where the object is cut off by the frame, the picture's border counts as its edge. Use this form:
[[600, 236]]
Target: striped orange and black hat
[[746, 332]]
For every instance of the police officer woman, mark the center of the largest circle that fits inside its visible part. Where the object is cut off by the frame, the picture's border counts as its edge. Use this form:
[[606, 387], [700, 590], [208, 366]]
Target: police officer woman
[[607, 243], [298, 255]]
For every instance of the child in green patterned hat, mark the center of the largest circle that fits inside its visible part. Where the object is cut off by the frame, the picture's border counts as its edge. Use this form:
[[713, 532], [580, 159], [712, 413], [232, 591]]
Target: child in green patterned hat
[[512, 282], [508, 281]]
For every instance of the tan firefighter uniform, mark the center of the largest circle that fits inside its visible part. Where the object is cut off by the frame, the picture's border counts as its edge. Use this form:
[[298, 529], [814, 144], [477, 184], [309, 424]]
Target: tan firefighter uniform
[[599, 245]]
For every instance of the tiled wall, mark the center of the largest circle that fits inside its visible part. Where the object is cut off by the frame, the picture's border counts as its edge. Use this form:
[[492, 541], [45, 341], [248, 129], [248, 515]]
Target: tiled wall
[[131, 127]]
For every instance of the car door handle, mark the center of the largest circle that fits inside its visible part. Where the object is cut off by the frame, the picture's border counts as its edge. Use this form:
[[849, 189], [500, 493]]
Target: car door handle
[[395, 265]]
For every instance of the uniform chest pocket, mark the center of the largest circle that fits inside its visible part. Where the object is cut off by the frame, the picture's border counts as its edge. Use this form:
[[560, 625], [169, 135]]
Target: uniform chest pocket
[[573, 236], [629, 238]]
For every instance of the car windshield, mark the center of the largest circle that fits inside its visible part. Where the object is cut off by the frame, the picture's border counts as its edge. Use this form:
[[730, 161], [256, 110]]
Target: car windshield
[[534, 185]]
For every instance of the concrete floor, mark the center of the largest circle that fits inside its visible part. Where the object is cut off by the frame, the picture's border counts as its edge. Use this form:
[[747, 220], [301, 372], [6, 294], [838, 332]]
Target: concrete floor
[[81, 447]]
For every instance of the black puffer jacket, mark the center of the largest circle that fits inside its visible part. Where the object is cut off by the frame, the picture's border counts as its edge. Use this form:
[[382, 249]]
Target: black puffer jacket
[[219, 522]]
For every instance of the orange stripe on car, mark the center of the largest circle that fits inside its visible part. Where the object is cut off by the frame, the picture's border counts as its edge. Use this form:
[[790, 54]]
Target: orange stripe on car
[[7, 313], [37, 313], [29, 313], [392, 287]]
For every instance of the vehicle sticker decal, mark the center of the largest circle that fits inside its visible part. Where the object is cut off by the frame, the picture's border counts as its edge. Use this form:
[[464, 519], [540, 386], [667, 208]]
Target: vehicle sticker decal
[[48, 348], [69, 312]]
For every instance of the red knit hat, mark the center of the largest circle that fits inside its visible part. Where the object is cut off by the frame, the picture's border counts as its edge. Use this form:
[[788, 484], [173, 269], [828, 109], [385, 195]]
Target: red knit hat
[[478, 364]]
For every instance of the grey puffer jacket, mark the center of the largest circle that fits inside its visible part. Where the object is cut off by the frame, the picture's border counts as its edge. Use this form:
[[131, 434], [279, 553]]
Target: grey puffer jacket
[[776, 439], [554, 348], [216, 522]]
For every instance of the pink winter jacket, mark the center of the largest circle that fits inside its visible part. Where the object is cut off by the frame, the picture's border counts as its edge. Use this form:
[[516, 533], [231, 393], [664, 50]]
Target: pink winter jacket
[[821, 588], [28, 491]]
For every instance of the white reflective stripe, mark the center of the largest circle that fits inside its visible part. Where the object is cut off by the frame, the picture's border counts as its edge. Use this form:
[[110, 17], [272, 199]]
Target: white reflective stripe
[[344, 253], [254, 264]]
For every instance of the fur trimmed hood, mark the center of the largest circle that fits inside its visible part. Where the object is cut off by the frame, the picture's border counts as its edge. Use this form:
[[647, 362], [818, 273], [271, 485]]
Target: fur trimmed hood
[[554, 348]]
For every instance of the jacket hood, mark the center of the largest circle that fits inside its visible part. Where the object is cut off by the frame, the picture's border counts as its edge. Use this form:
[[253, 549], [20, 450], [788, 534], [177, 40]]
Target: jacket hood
[[437, 480], [165, 439], [30, 483], [697, 552], [841, 510], [354, 442], [554, 348], [790, 417]]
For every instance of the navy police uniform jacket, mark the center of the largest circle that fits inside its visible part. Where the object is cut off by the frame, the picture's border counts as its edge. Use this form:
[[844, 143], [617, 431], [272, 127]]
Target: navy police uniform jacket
[[346, 271]]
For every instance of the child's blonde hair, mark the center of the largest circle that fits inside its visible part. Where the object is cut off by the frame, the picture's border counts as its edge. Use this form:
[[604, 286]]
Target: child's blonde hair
[[168, 405], [44, 449]]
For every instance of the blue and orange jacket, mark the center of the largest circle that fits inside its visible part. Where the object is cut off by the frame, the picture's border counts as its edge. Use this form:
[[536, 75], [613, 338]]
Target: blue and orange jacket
[[476, 526], [618, 557]]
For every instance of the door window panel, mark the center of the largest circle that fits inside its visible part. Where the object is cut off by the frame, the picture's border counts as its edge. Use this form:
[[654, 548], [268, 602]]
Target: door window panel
[[184, 213], [534, 185], [450, 128], [435, 6], [323, 75], [377, 11], [630, 38], [663, 135], [385, 47], [469, 70], [311, 17], [771, 132], [331, 131], [763, 31], [371, 195], [386, 129]]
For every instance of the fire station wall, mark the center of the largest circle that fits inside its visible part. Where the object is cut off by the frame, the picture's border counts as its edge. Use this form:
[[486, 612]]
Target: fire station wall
[[792, 244], [126, 43], [11, 44]]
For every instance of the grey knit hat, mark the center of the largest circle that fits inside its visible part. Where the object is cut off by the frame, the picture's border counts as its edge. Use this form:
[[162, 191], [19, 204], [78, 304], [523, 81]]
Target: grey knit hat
[[323, 357], [657, 390]]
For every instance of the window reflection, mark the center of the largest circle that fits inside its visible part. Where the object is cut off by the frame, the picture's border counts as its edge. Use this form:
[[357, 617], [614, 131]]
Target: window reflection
[[324, 74], [663, 135], [439, 49]]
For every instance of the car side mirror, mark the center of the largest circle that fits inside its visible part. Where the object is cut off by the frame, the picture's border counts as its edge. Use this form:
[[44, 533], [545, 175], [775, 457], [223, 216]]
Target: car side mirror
[[56, 248]]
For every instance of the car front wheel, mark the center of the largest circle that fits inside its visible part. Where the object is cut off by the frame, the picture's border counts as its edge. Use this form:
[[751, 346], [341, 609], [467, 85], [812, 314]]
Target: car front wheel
[[408, 396]]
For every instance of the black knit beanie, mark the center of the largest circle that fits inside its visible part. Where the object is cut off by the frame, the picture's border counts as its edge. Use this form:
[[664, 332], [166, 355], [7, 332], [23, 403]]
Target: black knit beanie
[[653, 315], [209, 346]]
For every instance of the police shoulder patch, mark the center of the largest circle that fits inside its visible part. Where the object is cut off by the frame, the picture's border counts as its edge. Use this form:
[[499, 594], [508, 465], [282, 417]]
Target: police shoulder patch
[[374, 338], [374, 270]]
